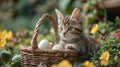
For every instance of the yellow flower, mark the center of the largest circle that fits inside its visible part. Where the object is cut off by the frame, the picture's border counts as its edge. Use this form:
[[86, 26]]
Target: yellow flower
[[3, 38], [63, 63], [3, 34], [88, 64], [94, 29], [6, 35], [105, 58], [9, 35], [2, 42]]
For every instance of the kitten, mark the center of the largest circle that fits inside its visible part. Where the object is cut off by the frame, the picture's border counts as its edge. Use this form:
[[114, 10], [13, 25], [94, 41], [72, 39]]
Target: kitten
[[71, 35]]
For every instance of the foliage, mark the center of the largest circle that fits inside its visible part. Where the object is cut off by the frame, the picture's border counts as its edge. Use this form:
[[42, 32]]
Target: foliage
[[8, 56], [9, 45], [108, 55], [112, 46], [17, 14]]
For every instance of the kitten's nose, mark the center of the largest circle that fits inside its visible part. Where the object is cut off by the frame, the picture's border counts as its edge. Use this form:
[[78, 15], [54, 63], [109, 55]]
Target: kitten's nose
[[64, 32]]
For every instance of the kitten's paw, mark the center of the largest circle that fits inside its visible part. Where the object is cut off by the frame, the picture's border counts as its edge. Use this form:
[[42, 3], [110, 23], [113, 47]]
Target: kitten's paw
[[70, 47], [57, 47]]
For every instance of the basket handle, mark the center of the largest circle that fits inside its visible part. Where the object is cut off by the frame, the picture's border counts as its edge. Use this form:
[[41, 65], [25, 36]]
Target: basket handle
[[34, 38]]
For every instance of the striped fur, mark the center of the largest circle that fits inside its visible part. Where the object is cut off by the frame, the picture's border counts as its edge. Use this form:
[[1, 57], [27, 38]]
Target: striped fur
[[71, 35]]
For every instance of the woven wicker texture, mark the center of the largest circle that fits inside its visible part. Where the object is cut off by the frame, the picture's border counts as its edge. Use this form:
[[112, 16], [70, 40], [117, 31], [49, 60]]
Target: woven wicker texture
[[32, 56]]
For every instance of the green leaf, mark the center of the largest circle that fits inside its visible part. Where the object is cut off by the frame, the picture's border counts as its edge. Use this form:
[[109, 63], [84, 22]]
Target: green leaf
[[117, 59], [78, 64], [16, 57], [6, 56], [16, 63]]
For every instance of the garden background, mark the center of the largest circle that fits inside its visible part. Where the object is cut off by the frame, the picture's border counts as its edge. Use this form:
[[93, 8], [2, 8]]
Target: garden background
[[18, 19]]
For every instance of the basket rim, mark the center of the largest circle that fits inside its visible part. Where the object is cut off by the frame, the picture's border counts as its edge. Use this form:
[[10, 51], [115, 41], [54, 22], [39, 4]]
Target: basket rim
[[28, 48]]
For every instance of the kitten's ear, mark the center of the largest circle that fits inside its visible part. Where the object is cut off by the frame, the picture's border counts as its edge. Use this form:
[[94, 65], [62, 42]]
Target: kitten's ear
[[76, 14], [59, 14]]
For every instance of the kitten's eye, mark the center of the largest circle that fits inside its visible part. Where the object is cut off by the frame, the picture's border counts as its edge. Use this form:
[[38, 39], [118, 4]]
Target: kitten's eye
[[61, 28], [70, 28]]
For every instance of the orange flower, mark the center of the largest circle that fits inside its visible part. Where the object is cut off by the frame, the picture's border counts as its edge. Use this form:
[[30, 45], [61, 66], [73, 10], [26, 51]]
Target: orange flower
[[88, 64], [105, 58], [94, 29]]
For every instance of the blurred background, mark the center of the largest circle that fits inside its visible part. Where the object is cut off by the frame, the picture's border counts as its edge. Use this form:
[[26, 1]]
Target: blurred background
[[16, 15], [20, 17], [23, 14]]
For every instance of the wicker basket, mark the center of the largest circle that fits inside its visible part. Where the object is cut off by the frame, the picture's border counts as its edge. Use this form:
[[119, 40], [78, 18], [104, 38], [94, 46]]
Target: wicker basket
[[31, 56]]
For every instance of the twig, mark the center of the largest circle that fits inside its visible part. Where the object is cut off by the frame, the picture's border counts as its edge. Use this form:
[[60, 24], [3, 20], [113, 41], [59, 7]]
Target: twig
[[103, 35]]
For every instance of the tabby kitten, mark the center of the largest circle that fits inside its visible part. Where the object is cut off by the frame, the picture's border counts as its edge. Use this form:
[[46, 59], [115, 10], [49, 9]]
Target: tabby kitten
[[71, 35]]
